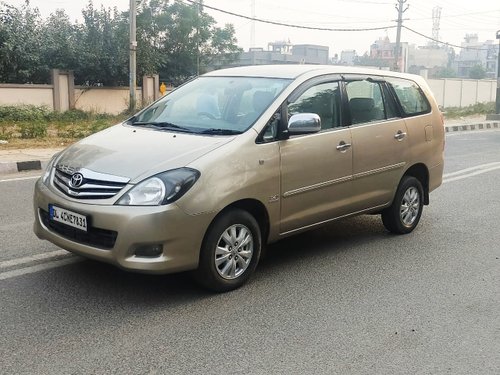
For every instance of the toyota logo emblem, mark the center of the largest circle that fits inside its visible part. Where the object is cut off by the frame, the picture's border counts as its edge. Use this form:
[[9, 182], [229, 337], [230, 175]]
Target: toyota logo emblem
[[76, 180]]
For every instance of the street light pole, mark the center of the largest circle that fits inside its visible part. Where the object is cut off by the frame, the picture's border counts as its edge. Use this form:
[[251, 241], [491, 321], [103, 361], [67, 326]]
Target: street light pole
[[133, 52]]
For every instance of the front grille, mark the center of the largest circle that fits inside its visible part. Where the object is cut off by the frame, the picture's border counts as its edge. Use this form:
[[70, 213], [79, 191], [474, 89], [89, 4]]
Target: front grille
[[86, 184], [97, 237]]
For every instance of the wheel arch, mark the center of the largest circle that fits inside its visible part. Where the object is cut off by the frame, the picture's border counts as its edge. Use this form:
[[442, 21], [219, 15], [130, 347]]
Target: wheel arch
[[421, 173], [255, 208]]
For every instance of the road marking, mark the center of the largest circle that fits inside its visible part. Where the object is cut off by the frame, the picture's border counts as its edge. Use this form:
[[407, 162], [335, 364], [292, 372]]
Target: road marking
[[33, 258], [20, 179], [40, 267], [470, 172]]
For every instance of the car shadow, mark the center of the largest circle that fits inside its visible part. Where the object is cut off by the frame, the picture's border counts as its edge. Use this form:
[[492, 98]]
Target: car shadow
[[89, 283]]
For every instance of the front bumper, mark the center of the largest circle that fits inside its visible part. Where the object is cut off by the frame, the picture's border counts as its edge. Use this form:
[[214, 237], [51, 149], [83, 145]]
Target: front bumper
[[116, 232]]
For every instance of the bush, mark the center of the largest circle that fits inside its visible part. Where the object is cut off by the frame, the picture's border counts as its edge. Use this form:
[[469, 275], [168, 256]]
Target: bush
[[24, 113], [474, 109], [33, 130], [5, 132], [98, 125]]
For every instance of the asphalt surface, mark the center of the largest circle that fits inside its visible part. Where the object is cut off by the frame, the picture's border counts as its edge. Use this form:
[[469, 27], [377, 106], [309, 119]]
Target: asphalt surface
[[348, 298]]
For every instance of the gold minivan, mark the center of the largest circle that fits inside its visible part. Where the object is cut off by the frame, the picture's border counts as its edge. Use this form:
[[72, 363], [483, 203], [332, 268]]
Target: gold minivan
[[206, 176]]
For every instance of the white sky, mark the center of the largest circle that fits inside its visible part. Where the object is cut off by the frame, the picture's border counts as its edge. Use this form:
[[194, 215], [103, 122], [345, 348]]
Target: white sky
[[458, 17]]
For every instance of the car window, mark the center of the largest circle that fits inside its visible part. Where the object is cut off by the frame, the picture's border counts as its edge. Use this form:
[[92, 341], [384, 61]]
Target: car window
[[214, 104], [365, 101], [410, 96], [322, 99]]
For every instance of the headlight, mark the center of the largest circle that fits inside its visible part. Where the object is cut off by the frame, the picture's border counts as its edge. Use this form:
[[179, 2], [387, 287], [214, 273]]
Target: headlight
[[48, 170], [160, 189]]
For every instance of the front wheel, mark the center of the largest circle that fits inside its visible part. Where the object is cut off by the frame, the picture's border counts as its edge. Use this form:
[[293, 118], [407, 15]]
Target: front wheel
[[230, 251], [404, 213]]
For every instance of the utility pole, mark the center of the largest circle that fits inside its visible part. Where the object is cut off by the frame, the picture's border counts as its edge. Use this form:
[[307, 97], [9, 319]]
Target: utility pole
[[399, 8], [198, 24], [252, 25], [133, 53]]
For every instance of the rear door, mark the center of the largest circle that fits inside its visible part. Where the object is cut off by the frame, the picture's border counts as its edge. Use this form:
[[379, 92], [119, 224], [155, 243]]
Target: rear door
[[379, 141]]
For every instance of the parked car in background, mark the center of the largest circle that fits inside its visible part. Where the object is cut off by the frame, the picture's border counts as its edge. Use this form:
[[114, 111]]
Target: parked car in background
[[205, 177]]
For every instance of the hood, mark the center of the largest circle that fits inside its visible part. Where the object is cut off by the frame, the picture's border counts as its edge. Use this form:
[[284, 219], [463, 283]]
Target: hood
[[136, 152]]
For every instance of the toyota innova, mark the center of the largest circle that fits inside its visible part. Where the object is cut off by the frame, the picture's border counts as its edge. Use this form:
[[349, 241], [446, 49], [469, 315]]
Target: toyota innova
[[206, 176]]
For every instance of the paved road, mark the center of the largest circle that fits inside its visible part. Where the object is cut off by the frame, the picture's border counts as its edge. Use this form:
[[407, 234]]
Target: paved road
[[348, 298]]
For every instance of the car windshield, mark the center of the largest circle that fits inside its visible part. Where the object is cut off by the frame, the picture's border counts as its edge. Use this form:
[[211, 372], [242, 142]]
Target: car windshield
[[212, 105]]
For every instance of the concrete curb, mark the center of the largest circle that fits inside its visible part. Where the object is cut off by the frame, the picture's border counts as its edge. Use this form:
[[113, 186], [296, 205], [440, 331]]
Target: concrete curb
[[478, 126], [11, 167]]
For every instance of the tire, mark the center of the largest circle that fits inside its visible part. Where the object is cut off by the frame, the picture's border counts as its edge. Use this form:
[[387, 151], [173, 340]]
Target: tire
[[230, 251], [404, 214]]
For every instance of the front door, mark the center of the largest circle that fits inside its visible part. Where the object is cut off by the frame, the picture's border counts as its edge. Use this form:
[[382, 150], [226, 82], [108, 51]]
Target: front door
[[316, 169]]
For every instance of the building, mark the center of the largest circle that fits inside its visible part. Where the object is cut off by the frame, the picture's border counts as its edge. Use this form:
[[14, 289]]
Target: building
[[383, 51], [348, 57], [475, 53], [283, 52], [427, 57]]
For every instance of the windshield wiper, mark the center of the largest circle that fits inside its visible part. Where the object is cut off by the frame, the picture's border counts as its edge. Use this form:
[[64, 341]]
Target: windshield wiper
[[163, 126], [220, 131]]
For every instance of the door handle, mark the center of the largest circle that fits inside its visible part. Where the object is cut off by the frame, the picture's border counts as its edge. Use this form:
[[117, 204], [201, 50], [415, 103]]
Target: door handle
[[342, 146], [399, 135]]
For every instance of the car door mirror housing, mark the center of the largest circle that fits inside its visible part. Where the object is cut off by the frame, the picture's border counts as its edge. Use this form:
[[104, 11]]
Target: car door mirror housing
[[304, 123]]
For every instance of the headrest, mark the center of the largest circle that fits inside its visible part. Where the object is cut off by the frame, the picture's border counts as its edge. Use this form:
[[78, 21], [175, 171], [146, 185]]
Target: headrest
[[361, 104]]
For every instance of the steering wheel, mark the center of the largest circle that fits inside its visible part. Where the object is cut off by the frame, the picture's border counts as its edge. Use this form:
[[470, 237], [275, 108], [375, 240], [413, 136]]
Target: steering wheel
[[207, 115]]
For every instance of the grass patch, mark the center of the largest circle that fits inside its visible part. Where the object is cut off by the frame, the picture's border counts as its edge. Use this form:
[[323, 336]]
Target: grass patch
[[475, 109], [38, 126]]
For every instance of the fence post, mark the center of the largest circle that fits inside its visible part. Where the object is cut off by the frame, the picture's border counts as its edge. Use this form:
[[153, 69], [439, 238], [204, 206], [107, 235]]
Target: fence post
[[150, 88], [63, 89]]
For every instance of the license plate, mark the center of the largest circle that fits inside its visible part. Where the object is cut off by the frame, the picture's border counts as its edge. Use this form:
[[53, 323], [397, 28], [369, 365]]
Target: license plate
[[68, 217]]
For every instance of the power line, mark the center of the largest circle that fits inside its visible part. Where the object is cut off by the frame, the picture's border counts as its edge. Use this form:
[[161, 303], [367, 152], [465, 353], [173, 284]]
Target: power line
[[445, 43], [288, 24], [460, 15], [330, 29]]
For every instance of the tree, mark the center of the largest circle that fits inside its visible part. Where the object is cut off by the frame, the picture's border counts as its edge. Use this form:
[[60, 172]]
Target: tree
[[20, 44], [179, 40], [443, 72], [103, 48], [59, 49], [366, 60], [174, 39], [477, 72]]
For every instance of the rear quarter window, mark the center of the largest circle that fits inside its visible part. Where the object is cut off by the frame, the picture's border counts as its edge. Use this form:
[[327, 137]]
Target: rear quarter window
[[411, 98]]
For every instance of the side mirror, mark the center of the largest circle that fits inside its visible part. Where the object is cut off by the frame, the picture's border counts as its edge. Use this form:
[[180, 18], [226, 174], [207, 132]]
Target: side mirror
[[304, 123]]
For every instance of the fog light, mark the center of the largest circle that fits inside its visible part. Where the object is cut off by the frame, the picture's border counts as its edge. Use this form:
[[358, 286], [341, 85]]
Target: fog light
[[149, 251]]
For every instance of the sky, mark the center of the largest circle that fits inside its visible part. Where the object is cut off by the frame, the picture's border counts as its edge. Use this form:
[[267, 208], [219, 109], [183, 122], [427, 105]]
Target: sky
[[458, 17]]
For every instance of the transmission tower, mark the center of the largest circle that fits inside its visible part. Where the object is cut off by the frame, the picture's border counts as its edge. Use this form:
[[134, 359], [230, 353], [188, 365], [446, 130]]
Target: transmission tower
[[436, 17]]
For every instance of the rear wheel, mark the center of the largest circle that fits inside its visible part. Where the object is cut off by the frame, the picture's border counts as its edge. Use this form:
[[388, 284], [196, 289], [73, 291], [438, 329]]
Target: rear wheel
[[230, 251], [404, 213]]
